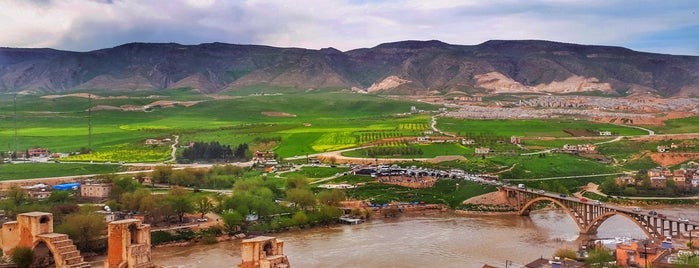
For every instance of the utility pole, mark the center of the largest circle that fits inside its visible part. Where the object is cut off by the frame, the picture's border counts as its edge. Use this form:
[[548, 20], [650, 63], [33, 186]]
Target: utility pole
[[89, 122], [645, 251], [15, 117]]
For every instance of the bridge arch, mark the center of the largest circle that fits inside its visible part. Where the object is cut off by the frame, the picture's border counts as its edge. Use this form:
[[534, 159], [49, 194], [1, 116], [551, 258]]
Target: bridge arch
[[45, 253], [596, 222], [527, 207]]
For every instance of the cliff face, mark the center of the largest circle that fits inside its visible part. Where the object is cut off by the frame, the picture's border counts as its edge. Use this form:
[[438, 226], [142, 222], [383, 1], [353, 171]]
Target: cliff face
[[411, 67]]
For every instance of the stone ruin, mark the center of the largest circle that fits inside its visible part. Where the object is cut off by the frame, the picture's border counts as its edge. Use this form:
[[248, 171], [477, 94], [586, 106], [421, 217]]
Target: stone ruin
[[263, 252], [35, 230], [128, 245]]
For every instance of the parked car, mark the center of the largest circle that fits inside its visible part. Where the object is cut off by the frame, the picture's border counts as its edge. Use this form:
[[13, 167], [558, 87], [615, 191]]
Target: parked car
[[684, 220], [636, 209], [662, 216], [652, 213], [583, 199], [203, 220], [597, 202], [541, 191], [562, 195]]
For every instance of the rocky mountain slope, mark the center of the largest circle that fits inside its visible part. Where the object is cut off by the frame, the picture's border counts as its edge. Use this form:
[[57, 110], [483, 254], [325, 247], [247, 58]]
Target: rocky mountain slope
[[407, 67]]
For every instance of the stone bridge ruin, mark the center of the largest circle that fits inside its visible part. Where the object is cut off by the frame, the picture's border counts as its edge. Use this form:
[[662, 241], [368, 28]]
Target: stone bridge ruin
[[128, 243], [35, 230]]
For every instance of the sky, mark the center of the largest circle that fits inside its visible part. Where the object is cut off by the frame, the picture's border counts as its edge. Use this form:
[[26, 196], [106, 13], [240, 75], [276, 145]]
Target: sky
[[664, 26]]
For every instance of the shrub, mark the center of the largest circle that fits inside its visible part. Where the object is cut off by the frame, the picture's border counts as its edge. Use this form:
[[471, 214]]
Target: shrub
[[159, 237], [22, 257], [209, 239]]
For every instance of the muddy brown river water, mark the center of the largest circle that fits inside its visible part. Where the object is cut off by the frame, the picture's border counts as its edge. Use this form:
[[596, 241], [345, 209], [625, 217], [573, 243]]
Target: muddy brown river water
[[420, 241]]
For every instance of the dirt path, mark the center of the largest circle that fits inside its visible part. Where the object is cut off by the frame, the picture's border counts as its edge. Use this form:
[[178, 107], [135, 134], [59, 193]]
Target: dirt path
[[173, 157]]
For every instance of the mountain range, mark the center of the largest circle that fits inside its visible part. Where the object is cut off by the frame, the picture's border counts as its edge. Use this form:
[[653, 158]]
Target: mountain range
[[405, 67]]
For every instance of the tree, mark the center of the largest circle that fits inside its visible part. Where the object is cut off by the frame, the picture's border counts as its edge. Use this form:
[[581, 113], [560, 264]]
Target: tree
[[203, 205], [9, 207], [17, 195], [253, 196], [60, 211], [59, 197], [85, 228], [162, 211], [161, 174], [599, 257], [231, 221], [302, 198], [135, 200], [121, 186], [328, 214], [298, 182], [22, 257], [332, 197], [609, 186], [671, 187], [179, 201], [630, 191], [300, 218]]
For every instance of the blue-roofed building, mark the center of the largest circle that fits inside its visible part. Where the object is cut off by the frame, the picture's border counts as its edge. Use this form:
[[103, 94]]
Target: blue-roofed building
[[66, 186]]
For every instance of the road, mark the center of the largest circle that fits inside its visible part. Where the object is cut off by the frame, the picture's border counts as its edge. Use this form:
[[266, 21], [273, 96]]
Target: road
[[578, 176], [5, 184]]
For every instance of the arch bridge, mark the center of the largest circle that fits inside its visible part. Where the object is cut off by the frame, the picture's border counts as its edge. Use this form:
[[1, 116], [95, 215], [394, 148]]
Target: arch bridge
[[589, 215]]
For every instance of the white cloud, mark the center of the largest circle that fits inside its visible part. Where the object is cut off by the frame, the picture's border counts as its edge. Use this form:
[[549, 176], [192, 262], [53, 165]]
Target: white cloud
[[344, 24]]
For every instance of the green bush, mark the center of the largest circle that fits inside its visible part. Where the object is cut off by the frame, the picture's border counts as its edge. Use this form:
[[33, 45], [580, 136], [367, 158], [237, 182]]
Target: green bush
[[159, 237]]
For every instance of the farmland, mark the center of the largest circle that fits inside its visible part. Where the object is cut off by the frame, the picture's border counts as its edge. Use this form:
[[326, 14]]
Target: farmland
[[295, 122], [323, 121], [528, 128], [41, 170]]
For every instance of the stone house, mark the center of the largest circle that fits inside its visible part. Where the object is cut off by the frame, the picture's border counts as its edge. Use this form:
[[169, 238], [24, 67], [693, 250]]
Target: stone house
[[423, 139], [585, 148], [95, 190], [625, 180], [515, 140], [38, 152], [39, 194], [263, 156], [658, 172], [680, 178], [467, 141], [658, 182], [482, 150]]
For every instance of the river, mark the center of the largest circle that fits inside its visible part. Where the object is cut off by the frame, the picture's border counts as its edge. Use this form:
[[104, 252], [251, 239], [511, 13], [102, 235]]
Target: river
[[444, 240]]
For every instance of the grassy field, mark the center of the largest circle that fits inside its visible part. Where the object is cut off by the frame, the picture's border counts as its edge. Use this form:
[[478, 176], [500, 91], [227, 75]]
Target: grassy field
[[528, 128], [42, 170], [428, 151], [682, 125], [315, 172], [448, 192], [315, 122]]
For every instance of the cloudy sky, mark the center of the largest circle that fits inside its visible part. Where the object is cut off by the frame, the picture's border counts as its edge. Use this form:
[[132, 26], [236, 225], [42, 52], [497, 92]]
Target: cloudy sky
[[664, 26]]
